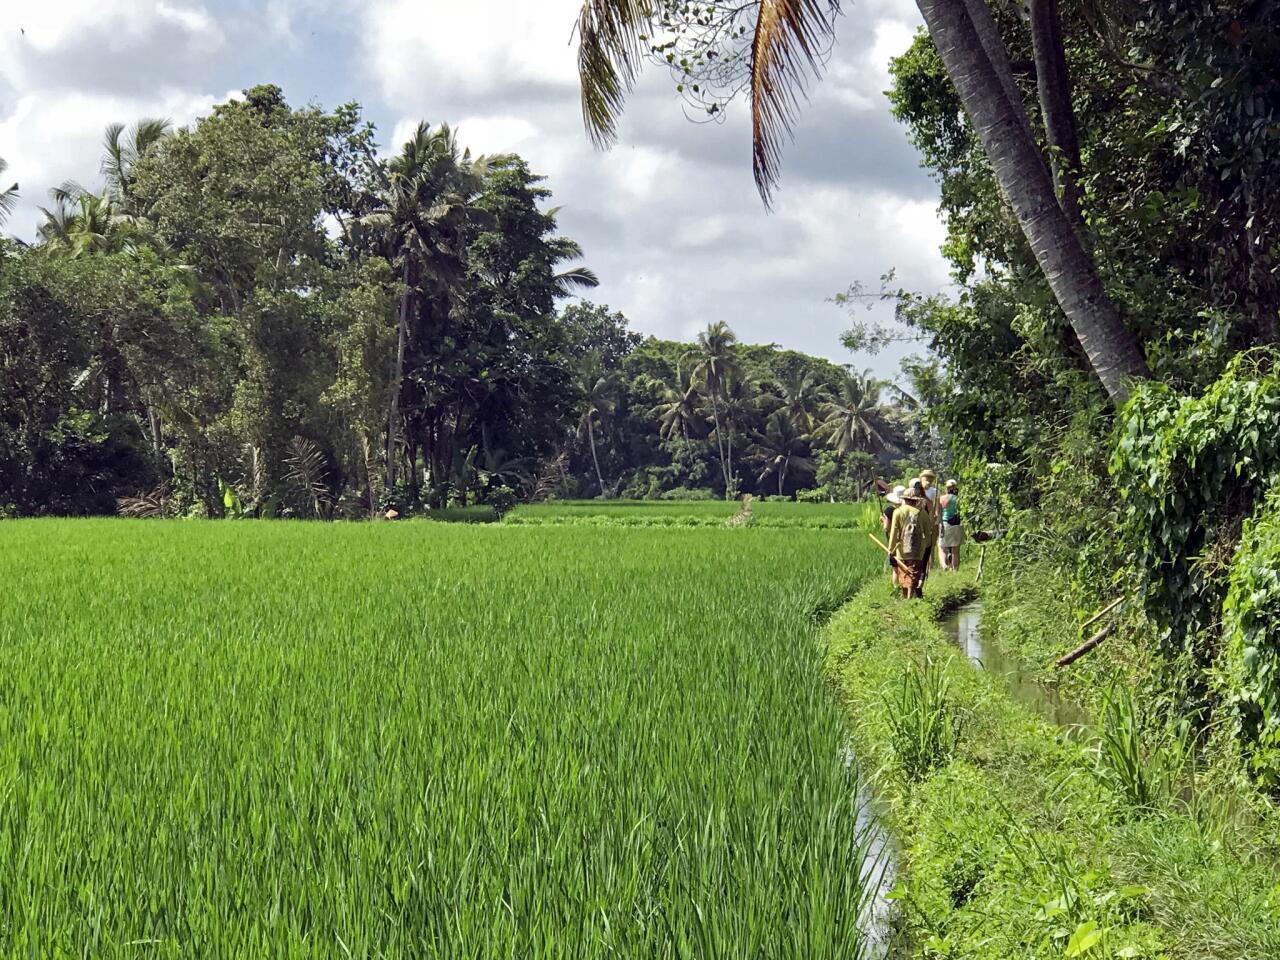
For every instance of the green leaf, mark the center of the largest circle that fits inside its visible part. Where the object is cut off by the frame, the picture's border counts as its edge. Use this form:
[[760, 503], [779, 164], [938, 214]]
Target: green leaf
[[1087, 936]]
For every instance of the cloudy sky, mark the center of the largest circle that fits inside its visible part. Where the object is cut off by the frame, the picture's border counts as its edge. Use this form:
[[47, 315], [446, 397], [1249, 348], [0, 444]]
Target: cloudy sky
[[669, 218]]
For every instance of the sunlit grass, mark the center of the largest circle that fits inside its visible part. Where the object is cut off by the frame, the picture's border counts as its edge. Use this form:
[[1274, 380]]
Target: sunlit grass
[[422, 740]]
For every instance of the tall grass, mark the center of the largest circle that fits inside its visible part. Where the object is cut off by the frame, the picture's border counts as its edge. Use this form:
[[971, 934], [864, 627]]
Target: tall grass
[[422, 740], [923, 723], [1143, 764]]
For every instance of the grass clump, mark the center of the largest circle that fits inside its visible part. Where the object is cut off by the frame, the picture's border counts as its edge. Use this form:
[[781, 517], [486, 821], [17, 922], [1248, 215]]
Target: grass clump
[[923, 724]]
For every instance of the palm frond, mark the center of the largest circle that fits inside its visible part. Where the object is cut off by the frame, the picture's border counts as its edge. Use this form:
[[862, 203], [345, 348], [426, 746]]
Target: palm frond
[[68, 191], [8, 196], [610, 54], [790, 43], [306, 475], [577, 278]]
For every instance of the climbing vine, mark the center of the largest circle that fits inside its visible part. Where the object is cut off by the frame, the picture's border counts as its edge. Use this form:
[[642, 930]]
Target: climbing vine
[[1192, 472], [1250, 675]]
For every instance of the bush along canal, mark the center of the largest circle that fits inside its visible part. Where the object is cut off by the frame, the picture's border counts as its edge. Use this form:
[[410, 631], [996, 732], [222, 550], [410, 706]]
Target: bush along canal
[[1020, 829]]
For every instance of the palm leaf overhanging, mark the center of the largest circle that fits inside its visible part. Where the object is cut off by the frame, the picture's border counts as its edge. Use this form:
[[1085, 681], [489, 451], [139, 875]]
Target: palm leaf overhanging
[[788, 46], [8, 196]]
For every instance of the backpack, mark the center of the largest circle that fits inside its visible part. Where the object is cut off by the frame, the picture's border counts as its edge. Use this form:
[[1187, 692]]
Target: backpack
[[912, 536]]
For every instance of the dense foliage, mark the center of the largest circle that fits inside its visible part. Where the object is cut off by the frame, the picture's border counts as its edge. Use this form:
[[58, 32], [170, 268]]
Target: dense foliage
[[261, 316], [1176, 109]]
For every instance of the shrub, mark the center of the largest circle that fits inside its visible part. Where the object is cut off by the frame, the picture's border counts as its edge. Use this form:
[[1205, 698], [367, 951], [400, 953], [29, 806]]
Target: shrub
[[687, 493], [1250, 673]]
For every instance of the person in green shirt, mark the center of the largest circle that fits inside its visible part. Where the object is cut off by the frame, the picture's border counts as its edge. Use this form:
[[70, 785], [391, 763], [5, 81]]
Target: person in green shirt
[[913, 536]]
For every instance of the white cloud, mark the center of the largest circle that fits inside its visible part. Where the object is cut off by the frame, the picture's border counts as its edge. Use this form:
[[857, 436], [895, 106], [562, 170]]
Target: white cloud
[[669, 218], [52, 136], [425, 50], [81, 41]]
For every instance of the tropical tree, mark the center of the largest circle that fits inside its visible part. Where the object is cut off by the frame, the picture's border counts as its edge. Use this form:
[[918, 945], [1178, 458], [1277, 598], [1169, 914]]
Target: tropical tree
[[740, 402], [425, 201], [123, 149], [772, 47], [678, 410], [599, 400], [853, 419], [714, 359], [8, 196], [81, 223], [782, 450], [799, 394]]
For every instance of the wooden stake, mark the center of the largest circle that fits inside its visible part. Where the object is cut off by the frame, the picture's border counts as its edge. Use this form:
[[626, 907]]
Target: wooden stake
[[1085, 647], [1102, 613], [982, 558]]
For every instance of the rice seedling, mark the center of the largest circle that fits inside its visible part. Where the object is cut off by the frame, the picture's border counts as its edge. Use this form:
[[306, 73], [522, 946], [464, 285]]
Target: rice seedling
[[423, 740]]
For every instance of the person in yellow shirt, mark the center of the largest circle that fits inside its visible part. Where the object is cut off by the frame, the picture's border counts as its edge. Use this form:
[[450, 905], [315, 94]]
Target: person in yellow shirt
[[913, 536]]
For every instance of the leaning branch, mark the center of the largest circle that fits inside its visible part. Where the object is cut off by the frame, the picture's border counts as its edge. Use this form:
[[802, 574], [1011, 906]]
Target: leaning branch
[[1085, 647]]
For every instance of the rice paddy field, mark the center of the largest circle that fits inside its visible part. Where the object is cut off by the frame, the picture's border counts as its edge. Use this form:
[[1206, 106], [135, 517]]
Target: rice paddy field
[[704, 513], [274, 739]]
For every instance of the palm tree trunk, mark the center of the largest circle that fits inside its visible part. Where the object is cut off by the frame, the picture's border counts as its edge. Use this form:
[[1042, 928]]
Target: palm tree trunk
[[591, 440], [1024, 181], [715, 416], [397, 377], [1053, 82]]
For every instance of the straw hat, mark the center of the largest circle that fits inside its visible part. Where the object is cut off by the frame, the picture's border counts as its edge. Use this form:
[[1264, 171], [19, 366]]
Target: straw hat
[[928, 475], [896, 496], [950, 484]]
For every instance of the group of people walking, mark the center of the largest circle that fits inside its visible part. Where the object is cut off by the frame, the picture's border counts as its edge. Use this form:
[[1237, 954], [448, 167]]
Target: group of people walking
[[919, 521]]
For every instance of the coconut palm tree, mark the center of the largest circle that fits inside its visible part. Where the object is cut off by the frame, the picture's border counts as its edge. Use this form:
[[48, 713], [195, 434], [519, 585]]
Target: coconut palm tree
[[8, 196], [677, 410], [599, 393], [424, 205], [81, 223], [853, 418], [740, 404], [123, 148], [799, 394], [714, 358], [787, 46], [572, 279], [782, 450]]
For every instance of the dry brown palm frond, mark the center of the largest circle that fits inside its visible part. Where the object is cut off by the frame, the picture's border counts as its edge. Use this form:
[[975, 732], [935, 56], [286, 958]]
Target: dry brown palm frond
[[610, 54], [791, 41], [152, 505], [306, 474]]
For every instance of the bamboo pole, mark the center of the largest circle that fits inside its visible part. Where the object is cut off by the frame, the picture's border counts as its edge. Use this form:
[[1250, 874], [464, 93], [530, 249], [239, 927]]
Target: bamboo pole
[[1085, 647], [1102, 613], [982, 558]]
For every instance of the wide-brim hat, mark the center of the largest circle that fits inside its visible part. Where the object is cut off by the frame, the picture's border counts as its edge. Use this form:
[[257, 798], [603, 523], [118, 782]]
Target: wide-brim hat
[[949, 483], [895, 497], [928, 475]]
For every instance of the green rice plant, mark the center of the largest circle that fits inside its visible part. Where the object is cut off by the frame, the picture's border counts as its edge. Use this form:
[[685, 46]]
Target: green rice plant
[[656, 513], [1144, 766], [423, 740], [924, 726]]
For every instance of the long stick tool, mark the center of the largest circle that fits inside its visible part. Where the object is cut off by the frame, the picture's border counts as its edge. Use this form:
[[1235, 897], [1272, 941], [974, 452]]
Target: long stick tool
[[892, 562]]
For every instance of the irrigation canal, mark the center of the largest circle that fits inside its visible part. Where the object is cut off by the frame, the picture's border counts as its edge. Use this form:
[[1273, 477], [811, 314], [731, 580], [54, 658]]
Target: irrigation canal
[[964, 628]]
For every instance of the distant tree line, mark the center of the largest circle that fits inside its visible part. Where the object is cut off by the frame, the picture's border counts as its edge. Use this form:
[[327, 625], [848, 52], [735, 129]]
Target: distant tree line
[[259, 315]]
